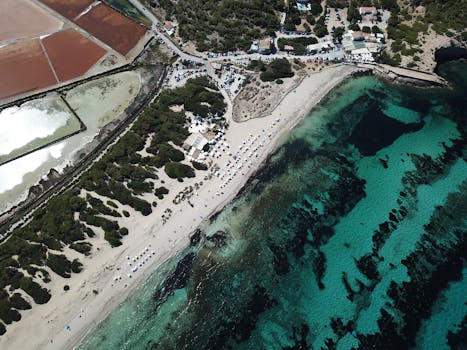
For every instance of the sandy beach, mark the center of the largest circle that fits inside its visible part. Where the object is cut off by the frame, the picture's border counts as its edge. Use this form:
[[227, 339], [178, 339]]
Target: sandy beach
[[105, 281]]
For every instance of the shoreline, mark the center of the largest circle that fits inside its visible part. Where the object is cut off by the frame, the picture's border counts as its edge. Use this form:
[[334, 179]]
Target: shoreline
[[82, 309]]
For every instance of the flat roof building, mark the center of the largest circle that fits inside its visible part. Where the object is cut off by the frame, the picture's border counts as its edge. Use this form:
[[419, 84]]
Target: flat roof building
[[265, 46], [367, 11]]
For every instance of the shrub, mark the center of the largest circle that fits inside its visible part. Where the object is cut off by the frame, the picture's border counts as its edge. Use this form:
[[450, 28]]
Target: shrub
[[178, 170], [76, 266], [90, 232], [59, 264], [277, 69], [112, 204], [7, 314], [113, 237], [160, 192], [17, 301], [82, 247], [320, 29], [199, 166], [40, 295], [375, 29]]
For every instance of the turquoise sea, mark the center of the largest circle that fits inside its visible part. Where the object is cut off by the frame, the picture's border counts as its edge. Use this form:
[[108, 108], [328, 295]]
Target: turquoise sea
[[352, 236]]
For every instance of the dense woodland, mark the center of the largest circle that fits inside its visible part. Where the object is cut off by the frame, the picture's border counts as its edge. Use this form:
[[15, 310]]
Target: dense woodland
[[70, 220], [226, 25], [223, 25]]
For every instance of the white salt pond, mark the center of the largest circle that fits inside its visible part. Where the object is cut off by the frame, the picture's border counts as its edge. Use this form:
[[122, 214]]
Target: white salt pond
[[97, 103], [34, 124]]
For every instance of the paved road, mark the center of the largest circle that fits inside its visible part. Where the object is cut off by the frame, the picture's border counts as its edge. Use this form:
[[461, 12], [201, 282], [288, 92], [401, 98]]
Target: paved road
[[206, 62], [183, 55], [171, 45], [155, 30], [335, 54]]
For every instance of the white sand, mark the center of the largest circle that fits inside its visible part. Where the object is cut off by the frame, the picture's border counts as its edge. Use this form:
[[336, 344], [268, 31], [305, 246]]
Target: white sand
[[16, 130], [12, 174], [80, 308]]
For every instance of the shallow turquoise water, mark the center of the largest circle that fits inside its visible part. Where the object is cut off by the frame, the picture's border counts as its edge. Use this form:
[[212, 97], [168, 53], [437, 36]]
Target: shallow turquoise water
[[352, 236]]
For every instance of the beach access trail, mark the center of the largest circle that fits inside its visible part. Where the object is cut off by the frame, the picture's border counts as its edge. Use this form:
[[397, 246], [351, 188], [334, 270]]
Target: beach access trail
[[70, 315]]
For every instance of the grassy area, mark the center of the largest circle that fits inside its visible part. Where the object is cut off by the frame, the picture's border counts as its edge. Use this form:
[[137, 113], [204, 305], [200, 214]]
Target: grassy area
[[129, 10], [223, 25], [122, 175]]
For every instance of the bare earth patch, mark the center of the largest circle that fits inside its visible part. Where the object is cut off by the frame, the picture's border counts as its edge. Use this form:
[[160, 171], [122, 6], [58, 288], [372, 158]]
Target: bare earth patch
[[258, 99]]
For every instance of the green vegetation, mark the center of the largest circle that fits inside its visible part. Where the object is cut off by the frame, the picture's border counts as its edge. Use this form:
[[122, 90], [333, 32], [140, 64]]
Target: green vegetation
[[81, 247], [122, 164], [18, 302], [292, 18], [442, 15], [160, 192], [121, 175], [315, 8], [199, 166], [321, 29], [198, 96], [340, 4], [299, 44], [101, 207], [353, 16], [277, 69], [59, 264], [129, 10], [338, 33], [224, 25], [383, 57], [179, 170], [257, 65], [445, 15]]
